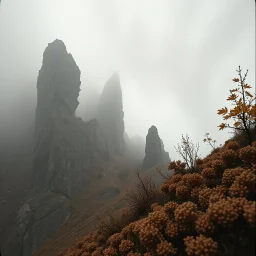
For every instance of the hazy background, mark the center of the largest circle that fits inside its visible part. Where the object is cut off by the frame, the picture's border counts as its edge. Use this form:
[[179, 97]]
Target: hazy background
[[176, 58]]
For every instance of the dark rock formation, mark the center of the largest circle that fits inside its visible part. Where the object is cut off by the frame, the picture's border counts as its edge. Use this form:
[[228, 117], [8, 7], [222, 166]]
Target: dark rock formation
[[64, 149], [154, 150], [64, 144], [111, 115], [36, 220]]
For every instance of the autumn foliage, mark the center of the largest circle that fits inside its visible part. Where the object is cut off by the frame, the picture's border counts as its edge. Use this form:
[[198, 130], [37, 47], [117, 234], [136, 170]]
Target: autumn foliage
[[209, 207], [242, 114]]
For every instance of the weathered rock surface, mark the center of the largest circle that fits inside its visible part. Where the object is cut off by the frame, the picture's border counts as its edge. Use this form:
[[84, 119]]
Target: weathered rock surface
[[64, 145], [111, 115], [154, 150], [64, 149], [38, 218]]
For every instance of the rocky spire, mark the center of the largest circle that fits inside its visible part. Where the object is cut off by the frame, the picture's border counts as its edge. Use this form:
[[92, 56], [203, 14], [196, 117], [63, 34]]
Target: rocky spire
[[58, 83], [58, 87], [154, 150], [65, 149], [65, 146], [111, 115]]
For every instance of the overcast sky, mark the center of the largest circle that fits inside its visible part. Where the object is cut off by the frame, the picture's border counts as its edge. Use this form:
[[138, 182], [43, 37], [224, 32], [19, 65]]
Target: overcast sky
[[176, 58]]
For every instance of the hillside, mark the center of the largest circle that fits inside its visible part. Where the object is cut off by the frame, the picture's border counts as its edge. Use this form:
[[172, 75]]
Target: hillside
[[105, 195], [206, 211], [205, 207]]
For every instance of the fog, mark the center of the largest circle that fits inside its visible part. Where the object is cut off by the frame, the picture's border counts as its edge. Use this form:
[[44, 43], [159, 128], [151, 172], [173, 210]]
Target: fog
[[176, 58]]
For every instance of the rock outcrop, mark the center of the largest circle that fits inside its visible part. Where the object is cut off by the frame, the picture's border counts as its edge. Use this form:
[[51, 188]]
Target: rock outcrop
[[154, 150], [36, 220], [111, 115], [64, 144], [64, 149]]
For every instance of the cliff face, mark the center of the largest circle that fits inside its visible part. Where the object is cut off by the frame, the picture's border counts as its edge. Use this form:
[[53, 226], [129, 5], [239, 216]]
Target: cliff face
[[64, 144], [111, 115], [64, 149], [154, 150]]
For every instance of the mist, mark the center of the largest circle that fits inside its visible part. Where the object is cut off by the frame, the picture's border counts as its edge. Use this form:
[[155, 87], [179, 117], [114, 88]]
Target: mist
[[176, 59]]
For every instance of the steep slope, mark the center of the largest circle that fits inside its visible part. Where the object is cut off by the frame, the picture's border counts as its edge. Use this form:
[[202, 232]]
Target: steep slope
[[94, 202], [205, 212]]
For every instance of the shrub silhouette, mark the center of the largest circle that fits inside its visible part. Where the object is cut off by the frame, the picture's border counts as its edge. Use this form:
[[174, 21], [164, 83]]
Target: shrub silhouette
[[146, 193], [188, 151]]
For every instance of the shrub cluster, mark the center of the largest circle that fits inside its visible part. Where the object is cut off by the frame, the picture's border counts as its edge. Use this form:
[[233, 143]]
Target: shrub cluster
[[207, 213]]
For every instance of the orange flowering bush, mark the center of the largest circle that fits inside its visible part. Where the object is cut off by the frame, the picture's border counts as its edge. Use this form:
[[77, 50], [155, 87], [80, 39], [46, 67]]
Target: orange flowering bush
[[206, 213], [201, 246], [209, 205]]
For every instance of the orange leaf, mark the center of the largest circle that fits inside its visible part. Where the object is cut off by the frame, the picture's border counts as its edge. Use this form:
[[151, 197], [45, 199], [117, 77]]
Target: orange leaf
[[235, 80], [237, 124], [252, 111], [247, 86], [226, 117], [245, 108], [222, 111], [234, 90], [248, 94], [222, 126], [232, 97], [235, 111]]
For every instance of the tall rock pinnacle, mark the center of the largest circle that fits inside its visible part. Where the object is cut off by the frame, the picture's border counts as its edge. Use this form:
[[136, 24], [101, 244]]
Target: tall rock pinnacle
[[154, 150], [58, 83], [111, 115], [65, 148], [64, 145]]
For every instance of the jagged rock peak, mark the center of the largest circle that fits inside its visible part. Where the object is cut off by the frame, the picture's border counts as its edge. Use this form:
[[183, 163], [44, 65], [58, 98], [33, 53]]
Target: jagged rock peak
[[153, 129], [112, 93], [58, 45], [154, 150], [58, 83], [111, 115], [55, 51]]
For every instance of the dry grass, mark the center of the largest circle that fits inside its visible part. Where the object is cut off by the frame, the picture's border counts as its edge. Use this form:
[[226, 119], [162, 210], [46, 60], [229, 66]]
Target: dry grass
[[141, 198]]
